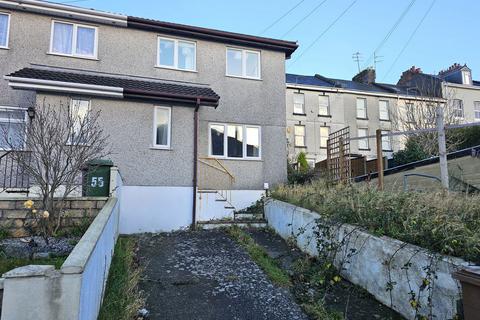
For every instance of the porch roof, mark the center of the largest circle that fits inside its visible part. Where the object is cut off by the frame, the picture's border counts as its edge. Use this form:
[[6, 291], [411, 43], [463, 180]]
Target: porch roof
[[66, 80]]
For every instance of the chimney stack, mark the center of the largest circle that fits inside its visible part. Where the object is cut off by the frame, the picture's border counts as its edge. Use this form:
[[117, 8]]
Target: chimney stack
[[407, 76], [366, 76]]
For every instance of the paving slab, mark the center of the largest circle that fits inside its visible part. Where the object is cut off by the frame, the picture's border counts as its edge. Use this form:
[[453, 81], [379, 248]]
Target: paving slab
[[206, 275]]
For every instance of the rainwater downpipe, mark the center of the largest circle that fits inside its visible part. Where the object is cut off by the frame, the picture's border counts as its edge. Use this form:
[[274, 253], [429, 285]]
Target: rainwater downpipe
[[195, 163]]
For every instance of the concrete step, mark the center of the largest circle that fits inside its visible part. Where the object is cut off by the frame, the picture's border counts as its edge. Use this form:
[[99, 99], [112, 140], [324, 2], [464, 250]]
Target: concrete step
[[250, 216], [208, 225]]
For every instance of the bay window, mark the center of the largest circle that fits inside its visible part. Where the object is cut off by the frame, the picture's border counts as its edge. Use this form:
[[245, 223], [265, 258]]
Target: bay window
[[243, 63], [4, 29], [176, 54], [234, 141], [73, 40]]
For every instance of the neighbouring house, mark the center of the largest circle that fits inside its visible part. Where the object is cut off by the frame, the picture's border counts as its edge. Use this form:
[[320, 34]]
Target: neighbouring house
[[196, 117], [454, 84], [318, 106]]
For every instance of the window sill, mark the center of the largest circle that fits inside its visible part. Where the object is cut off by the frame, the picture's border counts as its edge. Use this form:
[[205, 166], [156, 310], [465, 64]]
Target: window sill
[[364, 149], [4, 48], [300, 114], [236, 159], [362, 118], [160, 148], [72, 56], [175, 69], [301, 147], [245, 78], [387, 150], [385, 120], [324, 115]]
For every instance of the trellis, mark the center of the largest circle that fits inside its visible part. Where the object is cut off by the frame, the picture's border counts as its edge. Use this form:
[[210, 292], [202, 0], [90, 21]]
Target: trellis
[[338, 155]]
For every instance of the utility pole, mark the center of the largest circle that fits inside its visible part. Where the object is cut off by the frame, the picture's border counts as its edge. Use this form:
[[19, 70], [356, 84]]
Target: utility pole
[[442, 148], [357, 57]]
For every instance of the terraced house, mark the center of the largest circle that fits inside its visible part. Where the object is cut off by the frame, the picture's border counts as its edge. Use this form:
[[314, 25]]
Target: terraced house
[[195, 116]]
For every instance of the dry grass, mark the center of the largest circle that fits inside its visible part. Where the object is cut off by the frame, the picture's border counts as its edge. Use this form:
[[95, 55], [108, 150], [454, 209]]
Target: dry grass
[[444, 223]]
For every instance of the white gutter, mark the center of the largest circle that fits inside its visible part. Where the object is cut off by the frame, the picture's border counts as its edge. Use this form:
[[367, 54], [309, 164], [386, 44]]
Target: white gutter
[[59, 86], [65, 11], [365, 93]]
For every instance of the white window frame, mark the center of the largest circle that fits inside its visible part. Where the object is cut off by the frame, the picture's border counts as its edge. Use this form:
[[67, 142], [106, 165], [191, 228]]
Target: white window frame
[[365, 108], [476, 110], [7, 40], [366, 139], [328, 134], [74, 41], [244, 63], [303, 104], [25, 121], [387, 139], [466, 77], [462, 108], [169, 131], [304, 136], [387, 110], [328, 105], [225, 141], [175, 54]]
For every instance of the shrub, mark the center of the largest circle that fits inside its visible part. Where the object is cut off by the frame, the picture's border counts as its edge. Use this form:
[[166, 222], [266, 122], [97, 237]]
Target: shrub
[[444, 223], [412, 152]]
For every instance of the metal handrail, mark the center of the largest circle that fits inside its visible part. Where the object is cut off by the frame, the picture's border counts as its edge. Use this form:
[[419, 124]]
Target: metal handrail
[[405, 178]]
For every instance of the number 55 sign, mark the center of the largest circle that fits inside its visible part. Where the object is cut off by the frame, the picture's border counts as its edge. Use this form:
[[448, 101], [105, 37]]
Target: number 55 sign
[[97, 182]]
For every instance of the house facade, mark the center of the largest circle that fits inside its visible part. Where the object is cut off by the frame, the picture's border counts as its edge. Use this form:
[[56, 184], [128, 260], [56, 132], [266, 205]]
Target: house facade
[[195, 116], [318, 106]]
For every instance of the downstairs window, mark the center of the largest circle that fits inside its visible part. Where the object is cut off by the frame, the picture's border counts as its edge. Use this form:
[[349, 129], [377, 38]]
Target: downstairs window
[[235, 141]]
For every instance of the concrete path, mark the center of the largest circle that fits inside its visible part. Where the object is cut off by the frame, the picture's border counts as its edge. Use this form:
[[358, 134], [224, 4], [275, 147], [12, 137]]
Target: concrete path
[[206, 275]]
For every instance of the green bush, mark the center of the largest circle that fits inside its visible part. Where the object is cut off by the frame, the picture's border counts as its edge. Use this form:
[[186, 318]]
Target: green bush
[[443, 223], [412, 152]]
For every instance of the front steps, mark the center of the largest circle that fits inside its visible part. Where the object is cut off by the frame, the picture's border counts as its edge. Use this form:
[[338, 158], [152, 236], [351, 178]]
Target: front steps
[[217, 224]]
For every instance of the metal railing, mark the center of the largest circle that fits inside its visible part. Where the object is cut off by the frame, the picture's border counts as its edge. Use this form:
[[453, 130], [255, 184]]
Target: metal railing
[[13, 175]]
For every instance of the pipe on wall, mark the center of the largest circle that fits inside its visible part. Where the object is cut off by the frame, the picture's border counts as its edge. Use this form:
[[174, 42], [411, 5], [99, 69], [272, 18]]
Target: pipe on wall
[[195, 163]]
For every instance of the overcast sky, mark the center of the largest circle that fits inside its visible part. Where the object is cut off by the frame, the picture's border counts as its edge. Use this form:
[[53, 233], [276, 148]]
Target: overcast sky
[[448, 33]]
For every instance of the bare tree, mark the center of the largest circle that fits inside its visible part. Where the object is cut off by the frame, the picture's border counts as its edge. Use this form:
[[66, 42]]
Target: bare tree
[[420, 113], [56, 145]]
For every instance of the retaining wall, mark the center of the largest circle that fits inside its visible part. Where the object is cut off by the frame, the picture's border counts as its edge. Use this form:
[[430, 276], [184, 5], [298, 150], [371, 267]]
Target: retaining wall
[[377, 262]]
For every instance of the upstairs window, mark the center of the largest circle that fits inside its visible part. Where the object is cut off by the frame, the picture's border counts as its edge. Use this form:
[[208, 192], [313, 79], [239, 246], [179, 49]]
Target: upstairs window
[[457, 108], [162, 127], [4, 29], [73, 40], [243, 63], [176, 54], [235, 141], [323, 105], [466, 77], [476, 108], [361, 108], [298, 103], [12, 128], [363, 143], [410, 112], [383, 108], [299, 134]]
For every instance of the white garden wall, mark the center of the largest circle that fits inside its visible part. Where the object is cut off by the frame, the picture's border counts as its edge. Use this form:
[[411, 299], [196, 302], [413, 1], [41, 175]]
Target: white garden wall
[[368, 267]]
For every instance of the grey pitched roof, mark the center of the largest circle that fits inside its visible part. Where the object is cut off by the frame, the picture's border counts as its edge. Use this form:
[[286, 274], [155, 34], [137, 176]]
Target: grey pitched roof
[[131, 86]]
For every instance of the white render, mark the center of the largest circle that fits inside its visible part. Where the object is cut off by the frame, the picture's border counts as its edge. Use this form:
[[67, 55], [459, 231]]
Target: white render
[[367, 268]]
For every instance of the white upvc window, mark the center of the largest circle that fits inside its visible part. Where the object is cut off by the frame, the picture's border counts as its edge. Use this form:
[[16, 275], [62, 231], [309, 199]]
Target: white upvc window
[[458, 110], [12, 128], [4, 30], [361, 108], [74, 40], [162, 127], [299, 136], [298, 103], [79, 111], [476, 108], [466, 77], [177, 54], [323, 105], [235, 141], [324, 133], [243, 63], [363, 143], [384, 110], [386, 141]]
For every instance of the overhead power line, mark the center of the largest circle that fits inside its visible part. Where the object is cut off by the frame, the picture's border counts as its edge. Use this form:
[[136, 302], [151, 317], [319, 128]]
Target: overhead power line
[[304, 18], [409, 39], [390, 32], [325, 31], [281, 17]]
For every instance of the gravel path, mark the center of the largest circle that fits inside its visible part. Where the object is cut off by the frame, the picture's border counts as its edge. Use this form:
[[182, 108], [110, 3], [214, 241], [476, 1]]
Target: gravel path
[[206, 275]]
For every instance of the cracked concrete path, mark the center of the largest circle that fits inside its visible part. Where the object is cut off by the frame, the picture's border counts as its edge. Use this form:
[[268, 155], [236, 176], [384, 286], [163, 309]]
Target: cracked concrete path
[[206, 275]]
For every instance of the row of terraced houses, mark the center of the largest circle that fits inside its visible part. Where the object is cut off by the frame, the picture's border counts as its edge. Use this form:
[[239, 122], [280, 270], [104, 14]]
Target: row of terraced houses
[[200, 121]]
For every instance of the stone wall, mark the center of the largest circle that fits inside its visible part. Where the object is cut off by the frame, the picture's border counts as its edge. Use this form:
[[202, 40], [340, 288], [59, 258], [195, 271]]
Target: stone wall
[[18, 221]]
